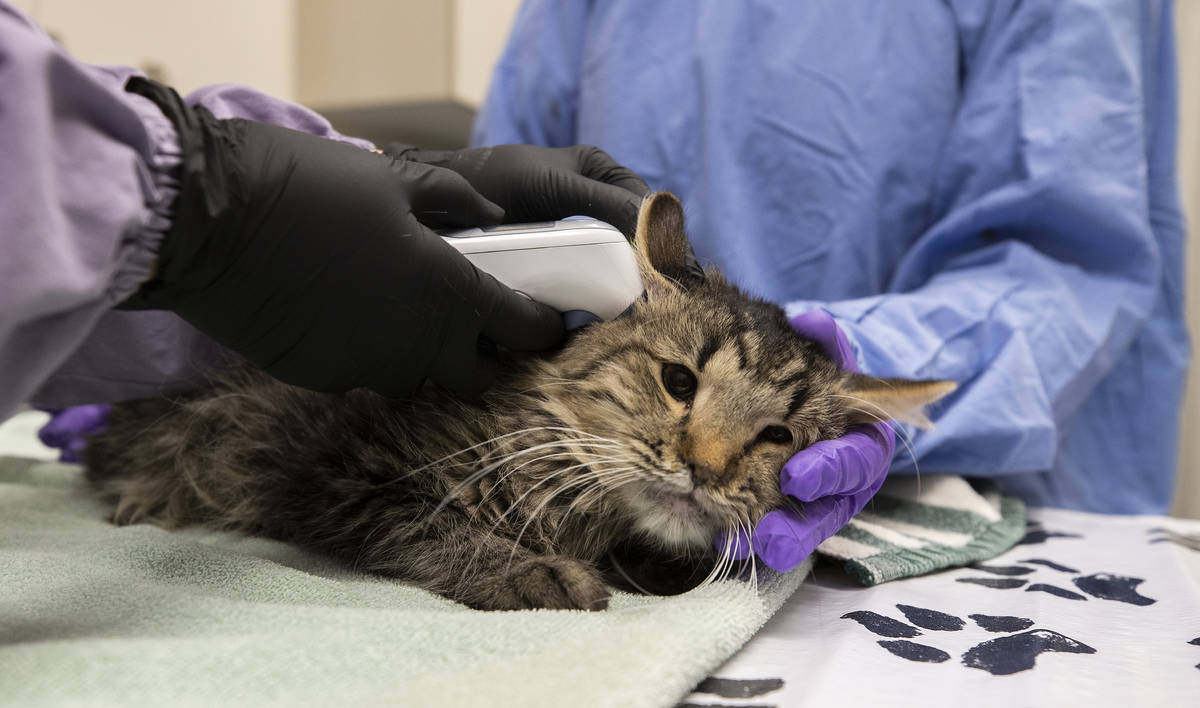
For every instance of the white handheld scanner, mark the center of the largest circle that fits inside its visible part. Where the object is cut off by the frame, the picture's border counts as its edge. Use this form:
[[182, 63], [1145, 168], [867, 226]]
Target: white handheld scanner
[[571, 265]]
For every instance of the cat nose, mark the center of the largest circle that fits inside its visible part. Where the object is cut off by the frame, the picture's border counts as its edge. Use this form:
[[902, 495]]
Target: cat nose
[[702, 474]]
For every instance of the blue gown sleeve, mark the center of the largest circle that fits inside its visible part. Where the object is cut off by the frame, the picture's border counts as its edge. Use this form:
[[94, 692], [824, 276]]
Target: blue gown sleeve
[[1055, 193]]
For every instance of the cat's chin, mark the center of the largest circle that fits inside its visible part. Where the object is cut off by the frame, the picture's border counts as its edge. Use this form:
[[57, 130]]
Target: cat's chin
[[675, 519], [674, 531]]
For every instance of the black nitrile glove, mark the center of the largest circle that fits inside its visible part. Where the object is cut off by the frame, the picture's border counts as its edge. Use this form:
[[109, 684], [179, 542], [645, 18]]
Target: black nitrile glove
[[534, 183], [306, 256]]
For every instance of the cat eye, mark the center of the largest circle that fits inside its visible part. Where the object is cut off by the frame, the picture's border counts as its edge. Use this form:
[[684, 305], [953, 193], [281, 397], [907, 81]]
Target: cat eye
[[679, 381], [775, 434]]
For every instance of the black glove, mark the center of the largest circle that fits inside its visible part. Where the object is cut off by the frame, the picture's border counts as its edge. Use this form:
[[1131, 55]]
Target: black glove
[[536, 183], [306, 256]]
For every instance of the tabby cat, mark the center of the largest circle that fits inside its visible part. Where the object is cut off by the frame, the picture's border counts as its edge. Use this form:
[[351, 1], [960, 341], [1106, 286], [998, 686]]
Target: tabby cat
[[658, 431]]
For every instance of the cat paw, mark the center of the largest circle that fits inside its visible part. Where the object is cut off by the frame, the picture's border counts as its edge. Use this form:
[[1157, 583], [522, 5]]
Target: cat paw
[[556, 583]]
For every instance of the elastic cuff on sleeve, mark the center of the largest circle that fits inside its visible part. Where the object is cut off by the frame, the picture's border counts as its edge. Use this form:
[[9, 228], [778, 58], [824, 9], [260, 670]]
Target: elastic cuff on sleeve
[[159, 177]]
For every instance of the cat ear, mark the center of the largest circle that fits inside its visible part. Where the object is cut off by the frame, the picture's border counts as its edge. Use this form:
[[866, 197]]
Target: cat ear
[[873, 399], [665, 257]]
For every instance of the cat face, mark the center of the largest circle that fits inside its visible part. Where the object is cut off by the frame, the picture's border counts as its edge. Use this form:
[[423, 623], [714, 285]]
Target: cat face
[[705, 398], [699, 395]]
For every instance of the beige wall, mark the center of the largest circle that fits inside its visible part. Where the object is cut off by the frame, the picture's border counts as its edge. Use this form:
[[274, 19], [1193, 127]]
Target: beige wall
[[356, 53], [187, 43], [331, 53], [480, 30], [372, 52], [1187, 30]]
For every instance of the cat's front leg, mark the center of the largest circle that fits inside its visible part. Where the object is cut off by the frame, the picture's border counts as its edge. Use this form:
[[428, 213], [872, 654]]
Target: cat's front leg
[[548, 581], [489, 572]]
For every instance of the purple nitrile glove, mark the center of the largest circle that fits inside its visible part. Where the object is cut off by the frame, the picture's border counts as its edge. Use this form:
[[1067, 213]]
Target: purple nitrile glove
[[69, 428], [833, 478]]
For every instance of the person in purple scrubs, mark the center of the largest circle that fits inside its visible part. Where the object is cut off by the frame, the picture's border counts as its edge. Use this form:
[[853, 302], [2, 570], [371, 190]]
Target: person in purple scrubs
[[145, 236]]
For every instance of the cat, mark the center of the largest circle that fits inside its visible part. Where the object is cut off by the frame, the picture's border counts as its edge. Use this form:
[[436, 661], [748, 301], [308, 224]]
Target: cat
[[656, 431]]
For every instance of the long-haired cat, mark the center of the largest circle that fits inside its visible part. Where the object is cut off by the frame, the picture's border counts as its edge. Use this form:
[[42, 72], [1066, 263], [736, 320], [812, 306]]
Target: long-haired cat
[[658, 430]]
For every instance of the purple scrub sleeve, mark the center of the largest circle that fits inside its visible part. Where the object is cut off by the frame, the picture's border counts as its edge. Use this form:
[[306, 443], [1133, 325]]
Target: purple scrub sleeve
[[86, 185], [86, 188]]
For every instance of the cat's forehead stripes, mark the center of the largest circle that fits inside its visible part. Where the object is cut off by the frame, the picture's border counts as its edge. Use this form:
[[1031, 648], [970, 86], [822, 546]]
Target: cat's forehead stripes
[[711, 344], [605, 356], [747, 360], [799, 395], [743, 355]]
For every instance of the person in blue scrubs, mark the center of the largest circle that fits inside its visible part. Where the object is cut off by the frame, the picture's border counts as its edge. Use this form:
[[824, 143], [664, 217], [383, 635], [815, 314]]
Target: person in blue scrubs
[[982, 191]]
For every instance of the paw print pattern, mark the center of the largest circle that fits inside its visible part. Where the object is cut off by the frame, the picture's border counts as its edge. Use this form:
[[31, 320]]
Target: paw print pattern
[[1018, 652], [1104, 586], [1015, 652], [1196, 641], [882, 625], [734, 688], [1001, 623], [1035, 534], [931, 619], [1161, 535], [915, 652]]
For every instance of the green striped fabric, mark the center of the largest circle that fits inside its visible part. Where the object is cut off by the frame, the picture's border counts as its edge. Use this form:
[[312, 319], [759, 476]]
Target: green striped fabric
[[917, 525]]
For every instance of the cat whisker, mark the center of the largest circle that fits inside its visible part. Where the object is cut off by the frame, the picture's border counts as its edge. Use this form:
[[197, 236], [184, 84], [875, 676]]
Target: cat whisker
[[617, 566], [594, 476], [602, 484], [602, 458], [515, 504], [601, 487], [481, 473], [732, 565], [744, 524], [583, 479], [594, 492], [610, 479], [722, 558], [568, 443], [559, 382], [726, 556], [585, 437], [569, 453]]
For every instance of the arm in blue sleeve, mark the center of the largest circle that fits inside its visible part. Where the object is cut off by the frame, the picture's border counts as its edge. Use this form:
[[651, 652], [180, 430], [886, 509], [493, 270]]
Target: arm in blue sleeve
[[86, 187], [534, 90], [1044, 263]]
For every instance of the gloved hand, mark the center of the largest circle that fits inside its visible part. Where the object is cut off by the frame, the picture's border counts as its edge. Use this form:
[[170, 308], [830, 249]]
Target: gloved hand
[[68, 429], [536, 183], [833, 479], [309, 258]]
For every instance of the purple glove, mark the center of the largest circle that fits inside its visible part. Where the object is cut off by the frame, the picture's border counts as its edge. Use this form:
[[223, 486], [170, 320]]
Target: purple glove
[[834, 478], [68, 429]]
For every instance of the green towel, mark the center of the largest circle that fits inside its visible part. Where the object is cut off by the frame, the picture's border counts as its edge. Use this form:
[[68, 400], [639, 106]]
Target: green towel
[[917, 525], [94, 614]]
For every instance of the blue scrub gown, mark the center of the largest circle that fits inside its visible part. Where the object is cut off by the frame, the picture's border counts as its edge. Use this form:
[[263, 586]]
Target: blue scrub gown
[[980, 191]]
